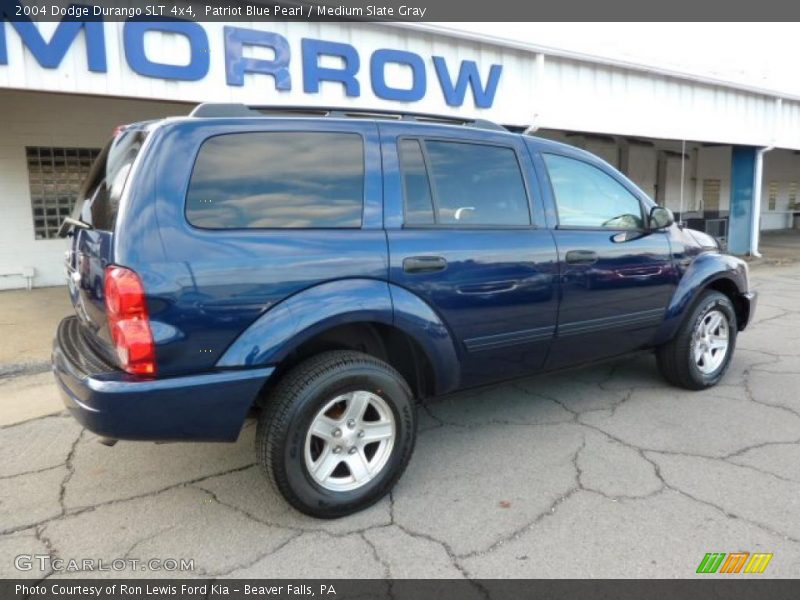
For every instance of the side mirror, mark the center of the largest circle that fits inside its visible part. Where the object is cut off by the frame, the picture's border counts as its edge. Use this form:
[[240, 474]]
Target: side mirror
[[661, 218]]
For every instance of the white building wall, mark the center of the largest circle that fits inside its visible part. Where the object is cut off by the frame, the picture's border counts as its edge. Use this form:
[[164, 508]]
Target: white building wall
[[642, 165], [30, 119]]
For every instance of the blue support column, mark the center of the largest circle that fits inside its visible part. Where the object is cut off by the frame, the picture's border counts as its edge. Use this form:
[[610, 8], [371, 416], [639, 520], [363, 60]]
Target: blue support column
[[743, 174]]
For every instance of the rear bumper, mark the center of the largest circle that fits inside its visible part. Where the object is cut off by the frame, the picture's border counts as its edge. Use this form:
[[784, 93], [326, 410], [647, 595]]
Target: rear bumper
[[747, 306], [210, 406]]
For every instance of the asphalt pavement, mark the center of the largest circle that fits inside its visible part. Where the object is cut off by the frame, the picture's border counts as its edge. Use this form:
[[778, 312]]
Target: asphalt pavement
[[600, 472]]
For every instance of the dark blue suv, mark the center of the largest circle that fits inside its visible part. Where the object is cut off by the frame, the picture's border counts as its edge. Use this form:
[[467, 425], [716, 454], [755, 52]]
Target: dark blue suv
[[329, 268]]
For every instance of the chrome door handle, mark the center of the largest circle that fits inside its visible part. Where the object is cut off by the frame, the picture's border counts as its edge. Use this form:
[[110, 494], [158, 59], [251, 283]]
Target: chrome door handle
[[424, 264], [581, 257]]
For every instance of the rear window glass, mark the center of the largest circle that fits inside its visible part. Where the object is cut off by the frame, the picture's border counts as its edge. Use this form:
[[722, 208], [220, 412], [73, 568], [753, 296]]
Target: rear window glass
[[278, 180], [100, 196]]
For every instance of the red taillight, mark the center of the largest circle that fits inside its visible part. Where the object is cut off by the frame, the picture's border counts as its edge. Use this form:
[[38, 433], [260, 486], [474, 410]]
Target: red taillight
[[128, 321]]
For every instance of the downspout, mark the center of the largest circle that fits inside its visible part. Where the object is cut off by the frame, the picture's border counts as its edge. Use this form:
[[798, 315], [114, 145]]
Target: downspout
[[755, 233]]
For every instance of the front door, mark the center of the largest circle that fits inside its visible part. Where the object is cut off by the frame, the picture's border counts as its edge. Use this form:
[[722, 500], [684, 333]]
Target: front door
[[616, 276], [461, 237]]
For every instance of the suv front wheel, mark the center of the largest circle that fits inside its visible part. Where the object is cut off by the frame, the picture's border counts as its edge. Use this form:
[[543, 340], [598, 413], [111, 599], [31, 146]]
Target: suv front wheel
[[699, 354], [336, 433]]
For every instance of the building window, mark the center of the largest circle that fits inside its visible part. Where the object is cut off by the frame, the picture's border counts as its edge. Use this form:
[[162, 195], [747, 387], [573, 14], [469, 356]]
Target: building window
[[773, 195], [55, 176], [711, 194]]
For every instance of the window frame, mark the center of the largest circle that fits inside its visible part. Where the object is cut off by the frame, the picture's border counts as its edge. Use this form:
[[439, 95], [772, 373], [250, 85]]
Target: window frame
[[642, 208], [364, 176], [422, 139]]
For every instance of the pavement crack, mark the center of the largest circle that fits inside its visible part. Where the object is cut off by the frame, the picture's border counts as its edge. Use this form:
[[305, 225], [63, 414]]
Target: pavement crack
[[249, 563], [747, 449], [33, 472], [146, 539], [58, 415], [70, 471], [731, 515], [387, 569], [427, 410], [548, 512], [51, 550], [72, 512], [246, 513], [750, 396]]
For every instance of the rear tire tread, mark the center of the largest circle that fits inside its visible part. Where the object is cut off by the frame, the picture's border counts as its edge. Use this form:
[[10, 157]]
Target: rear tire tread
[[274, 422]]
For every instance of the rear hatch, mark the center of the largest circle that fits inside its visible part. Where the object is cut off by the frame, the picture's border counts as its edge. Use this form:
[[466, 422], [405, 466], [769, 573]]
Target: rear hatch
[[91, 229]]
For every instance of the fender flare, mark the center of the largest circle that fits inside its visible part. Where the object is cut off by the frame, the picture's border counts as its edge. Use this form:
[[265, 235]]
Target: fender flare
[[704, 270], [314, 310]]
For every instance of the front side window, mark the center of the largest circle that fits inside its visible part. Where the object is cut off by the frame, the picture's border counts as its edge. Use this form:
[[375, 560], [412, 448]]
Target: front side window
[[456, 183], [278, 180], [587, 197]]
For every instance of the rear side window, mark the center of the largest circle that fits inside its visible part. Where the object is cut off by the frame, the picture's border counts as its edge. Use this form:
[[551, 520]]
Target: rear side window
[[278, 180], [103, 188], [416, 187], [466, 184]]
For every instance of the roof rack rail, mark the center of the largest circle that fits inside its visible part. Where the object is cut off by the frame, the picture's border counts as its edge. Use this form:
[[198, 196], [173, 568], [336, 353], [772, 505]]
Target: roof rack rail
[[222, 110]]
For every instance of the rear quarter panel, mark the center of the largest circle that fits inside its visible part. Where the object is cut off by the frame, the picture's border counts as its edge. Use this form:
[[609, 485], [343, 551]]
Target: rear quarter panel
[[205, 287]]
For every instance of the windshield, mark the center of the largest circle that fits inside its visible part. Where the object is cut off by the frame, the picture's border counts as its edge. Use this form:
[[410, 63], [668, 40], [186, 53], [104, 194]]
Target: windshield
[[98, 202]]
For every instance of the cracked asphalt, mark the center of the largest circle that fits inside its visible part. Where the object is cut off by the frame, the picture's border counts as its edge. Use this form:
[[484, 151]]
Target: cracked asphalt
[[600, 472]]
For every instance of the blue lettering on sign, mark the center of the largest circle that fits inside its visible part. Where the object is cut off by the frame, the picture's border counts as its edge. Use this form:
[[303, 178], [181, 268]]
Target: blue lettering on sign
[[313, 74], [467, 74], [236, 64], [377, 66], [133, 38], [50, 54]]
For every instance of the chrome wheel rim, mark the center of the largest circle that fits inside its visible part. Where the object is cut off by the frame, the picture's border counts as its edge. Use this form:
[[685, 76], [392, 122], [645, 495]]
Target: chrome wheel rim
[[349, 441], [711, 342]]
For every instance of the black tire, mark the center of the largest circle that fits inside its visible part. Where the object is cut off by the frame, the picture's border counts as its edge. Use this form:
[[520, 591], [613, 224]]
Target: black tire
[[676, 357], [292, 407]]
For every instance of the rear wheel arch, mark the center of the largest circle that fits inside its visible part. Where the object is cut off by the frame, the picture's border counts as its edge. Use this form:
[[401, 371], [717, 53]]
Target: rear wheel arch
[[387, 343]]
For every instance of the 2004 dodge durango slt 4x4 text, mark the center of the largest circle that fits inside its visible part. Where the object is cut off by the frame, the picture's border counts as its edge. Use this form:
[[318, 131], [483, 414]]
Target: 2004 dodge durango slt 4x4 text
[[329, 268]]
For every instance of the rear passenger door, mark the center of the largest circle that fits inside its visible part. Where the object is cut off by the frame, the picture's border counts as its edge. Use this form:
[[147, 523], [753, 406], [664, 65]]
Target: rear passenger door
[[461, 221]]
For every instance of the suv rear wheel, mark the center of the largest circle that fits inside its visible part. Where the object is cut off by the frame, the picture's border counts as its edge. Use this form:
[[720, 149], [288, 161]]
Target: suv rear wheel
[[699, 354], [336, 433]]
